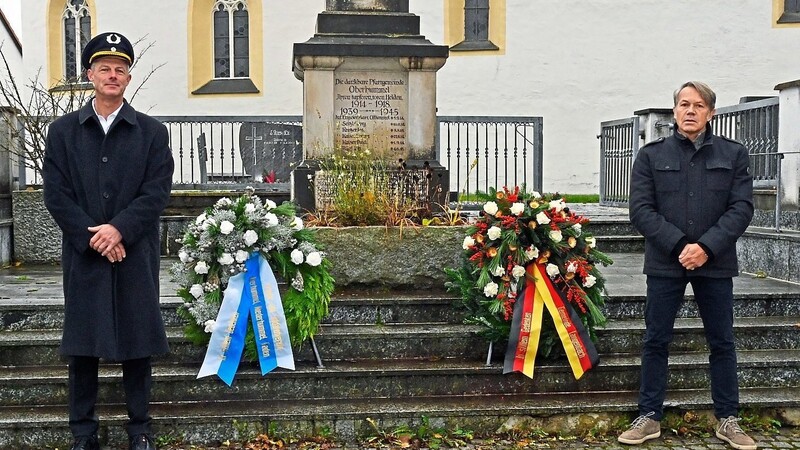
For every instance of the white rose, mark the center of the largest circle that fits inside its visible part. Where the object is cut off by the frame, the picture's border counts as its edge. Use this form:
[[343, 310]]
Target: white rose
[[223, 202], [225, 259], [577, 227], [269, 204], [558, 205], [468, 242], [272, 219], [518, 271], [297, 224], [184, 257], [542, 218], [490, 208], [250, 237], [209, 326], [589, 281], [241, 256], [210, 222], [536, 195], [552, 270], [200, 219], [490, 290], [314, 259], [499, 271], [572, 267], [494, 233], [517, 208], [201, 268], [226, 227], [249, 208], [196, 290], [297, 257], [531, 253], [591, 242], [555, 235]]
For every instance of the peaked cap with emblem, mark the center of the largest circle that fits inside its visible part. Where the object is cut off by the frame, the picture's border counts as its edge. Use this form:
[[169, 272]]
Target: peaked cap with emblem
[[107, 44]]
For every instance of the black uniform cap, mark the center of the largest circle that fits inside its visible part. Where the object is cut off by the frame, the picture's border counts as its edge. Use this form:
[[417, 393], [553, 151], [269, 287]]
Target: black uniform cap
[[107, 44]]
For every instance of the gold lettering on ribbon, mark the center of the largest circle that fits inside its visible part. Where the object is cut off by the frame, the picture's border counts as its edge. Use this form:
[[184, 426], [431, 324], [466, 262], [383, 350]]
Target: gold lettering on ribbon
[[259, 316], [253, 290], [562, 312], [576, 343], [522, 348], [275, 323], [526, 322]]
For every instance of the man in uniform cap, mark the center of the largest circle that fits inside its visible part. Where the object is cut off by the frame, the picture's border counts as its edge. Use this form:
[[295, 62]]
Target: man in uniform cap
[[107, 178]]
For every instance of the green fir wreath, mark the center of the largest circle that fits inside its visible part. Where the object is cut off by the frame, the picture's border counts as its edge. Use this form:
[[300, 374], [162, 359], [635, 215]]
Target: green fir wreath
[[513, 230]]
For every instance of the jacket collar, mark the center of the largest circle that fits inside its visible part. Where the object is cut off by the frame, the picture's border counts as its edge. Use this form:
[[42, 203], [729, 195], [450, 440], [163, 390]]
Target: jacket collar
[[127, 113], [708, 135]]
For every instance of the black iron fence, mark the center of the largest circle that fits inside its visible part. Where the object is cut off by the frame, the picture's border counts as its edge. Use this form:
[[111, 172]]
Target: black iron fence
[[619, 142], [480, 152]]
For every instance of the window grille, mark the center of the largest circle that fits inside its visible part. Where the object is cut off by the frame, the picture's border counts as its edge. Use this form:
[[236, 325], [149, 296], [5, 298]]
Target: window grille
[[77, 32], [231, 39]]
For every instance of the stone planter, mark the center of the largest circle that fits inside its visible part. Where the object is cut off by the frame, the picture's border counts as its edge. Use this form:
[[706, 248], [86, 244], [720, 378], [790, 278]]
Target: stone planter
[[362, 256], [37, 238], [380, 257]]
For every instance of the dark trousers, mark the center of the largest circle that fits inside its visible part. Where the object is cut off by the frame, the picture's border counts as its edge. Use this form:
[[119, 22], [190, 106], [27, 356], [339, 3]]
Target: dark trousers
[[83, 384], [714, 297]]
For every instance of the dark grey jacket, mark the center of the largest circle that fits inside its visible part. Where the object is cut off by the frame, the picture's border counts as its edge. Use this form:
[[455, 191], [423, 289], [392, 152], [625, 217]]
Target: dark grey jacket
[[123, 178], [681, 195]]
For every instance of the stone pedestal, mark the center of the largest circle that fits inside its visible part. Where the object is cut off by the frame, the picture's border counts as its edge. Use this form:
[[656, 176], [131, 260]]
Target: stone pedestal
[[789, 144], [369, 83]]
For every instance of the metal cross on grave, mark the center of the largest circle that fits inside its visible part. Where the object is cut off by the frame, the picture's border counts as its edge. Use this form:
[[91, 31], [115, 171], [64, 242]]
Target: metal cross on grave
[[254, 138]]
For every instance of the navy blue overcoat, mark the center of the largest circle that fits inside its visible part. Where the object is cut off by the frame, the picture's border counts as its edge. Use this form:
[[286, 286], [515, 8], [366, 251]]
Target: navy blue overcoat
[[123, 178]]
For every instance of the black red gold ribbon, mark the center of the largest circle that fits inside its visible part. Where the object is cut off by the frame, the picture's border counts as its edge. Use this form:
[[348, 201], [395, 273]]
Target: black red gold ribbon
[[526, 327]]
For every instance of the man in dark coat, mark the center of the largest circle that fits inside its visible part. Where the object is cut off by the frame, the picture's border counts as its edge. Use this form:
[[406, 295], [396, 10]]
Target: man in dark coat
[[691, 198], [107, 178]]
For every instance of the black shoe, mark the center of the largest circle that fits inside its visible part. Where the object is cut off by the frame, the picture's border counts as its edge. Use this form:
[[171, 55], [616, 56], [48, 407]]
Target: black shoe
[[85, 443], [142, 442]]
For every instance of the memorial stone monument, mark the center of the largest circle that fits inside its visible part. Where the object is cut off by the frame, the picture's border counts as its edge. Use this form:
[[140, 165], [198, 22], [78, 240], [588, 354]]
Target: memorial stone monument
[[369, 83]]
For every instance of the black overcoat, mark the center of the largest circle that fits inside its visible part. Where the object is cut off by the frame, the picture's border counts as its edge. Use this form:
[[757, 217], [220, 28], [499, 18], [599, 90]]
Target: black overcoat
[[122, 178], [681, 195]]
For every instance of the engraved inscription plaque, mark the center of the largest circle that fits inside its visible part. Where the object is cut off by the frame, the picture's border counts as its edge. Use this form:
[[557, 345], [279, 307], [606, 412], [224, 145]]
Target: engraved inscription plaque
[[371, 109]]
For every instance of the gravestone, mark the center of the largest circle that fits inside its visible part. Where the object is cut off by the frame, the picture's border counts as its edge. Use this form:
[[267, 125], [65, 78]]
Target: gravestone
[[369, 83], [267, 147]]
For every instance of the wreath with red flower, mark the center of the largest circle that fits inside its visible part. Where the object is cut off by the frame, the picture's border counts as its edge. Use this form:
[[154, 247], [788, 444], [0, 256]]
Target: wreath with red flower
[[513, 230]]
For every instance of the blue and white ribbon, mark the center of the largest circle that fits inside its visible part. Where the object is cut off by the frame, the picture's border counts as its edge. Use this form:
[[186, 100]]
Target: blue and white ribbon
[[253, 294]]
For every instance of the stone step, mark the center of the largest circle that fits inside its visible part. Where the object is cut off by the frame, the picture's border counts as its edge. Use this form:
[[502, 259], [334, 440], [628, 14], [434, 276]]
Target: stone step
[[434, 306], [346, 420], [431, 340], [427, 340], [621, 244], [751, 333], [396, 378]]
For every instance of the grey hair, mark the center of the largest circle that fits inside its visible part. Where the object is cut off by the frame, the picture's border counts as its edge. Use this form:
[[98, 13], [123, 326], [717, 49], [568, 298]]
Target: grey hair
[[703, 89]]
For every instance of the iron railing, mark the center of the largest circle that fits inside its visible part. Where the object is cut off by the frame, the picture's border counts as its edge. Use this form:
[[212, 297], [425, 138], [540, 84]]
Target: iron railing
[[480, 152], [483, 152], [754, 124], [619, 143]]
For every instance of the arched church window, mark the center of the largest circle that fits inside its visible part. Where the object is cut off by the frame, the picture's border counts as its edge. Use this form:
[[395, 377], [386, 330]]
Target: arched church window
[[77, 32], [231, 39]]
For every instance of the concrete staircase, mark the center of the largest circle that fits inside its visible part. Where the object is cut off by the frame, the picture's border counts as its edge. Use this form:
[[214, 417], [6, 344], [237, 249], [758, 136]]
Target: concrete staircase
[[394, 357]]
